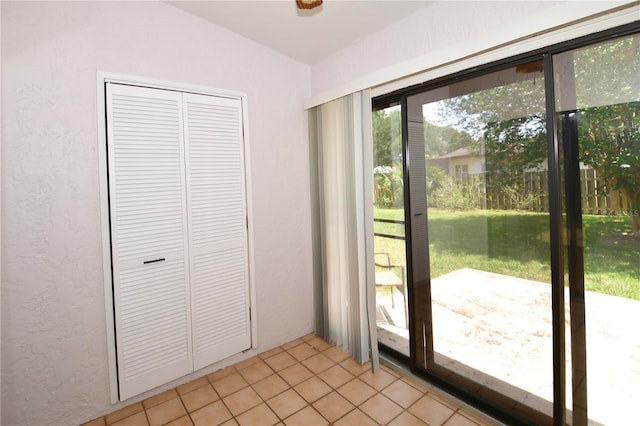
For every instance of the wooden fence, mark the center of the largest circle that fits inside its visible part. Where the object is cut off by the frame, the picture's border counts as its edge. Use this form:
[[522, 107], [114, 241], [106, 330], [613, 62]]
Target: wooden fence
[[529, 191]]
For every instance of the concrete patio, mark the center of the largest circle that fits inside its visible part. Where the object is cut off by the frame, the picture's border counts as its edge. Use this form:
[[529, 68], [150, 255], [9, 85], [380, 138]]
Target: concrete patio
[[496, 330]]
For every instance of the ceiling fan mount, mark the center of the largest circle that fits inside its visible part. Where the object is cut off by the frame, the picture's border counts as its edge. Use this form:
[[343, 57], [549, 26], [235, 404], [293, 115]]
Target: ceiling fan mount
[[308, 4]]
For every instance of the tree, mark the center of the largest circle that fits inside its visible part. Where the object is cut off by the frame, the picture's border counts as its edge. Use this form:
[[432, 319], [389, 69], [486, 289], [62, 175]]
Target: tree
[[387, 153], [516, 144], [440, 140], [600, 83], [608, 98], [610, 143], [387, 137]]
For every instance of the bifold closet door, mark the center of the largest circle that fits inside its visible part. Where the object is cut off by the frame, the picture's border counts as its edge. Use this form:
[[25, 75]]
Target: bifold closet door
[[178, 232], [217, 227], [148, 214]]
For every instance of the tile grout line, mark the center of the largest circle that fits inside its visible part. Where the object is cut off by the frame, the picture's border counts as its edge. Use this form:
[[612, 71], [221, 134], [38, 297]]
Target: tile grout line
[[331, 387], [355, 407], [185, 406], [307, 403], [275, 373], [233, 416]]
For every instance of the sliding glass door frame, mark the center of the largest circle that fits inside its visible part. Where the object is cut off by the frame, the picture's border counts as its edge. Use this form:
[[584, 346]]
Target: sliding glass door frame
[[557, 255], [564, 202]]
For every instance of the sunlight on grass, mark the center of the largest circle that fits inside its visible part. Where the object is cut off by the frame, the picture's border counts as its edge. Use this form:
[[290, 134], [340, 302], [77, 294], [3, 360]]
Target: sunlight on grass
[[517, 244]]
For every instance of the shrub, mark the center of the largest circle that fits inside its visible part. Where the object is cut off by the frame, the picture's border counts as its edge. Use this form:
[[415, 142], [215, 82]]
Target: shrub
[[445, 192], [388, 191]]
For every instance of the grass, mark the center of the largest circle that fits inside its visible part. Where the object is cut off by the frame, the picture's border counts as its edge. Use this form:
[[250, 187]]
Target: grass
[[517, 244]]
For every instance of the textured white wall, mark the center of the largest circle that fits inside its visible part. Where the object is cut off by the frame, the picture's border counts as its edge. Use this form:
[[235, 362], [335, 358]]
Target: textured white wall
[[446, 31], [441, 24], [54, 354]]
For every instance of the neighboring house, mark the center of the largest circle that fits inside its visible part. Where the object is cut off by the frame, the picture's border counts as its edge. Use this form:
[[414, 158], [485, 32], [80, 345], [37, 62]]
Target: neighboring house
[[462, 162], [459, 163]]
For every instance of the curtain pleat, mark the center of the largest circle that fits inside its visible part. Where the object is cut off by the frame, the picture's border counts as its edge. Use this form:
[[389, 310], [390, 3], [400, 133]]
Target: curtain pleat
[[342, 189]]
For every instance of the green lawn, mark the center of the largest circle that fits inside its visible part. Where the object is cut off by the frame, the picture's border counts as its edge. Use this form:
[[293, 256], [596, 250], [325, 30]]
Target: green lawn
[[517, 244]]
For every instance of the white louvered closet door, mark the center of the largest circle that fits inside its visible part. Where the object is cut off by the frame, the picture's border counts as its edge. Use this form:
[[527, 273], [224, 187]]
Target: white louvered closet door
[[217, 227], [148, 214]]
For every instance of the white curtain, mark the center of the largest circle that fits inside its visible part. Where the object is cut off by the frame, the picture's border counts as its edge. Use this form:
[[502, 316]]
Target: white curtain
[[342, 192]]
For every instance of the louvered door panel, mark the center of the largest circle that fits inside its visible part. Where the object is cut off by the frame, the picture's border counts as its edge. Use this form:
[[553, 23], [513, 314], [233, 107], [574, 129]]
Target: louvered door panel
[[218, 233], [149, 236]]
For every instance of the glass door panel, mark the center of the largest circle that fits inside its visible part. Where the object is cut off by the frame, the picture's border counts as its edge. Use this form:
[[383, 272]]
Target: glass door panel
[[389, 225], [480, 237], [598, 106]]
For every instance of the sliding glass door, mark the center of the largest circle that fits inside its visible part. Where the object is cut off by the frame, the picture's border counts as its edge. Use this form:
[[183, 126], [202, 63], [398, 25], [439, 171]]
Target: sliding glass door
[[521, 233], [482, 245], [598, 111]]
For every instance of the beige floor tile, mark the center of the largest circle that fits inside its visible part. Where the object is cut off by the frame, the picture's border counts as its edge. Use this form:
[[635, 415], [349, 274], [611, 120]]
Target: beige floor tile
[[160, 398], [381, 409], [336, 376], [295, 374], [220, 374], [256, 372], [303, 351], [247, 363], [286, 403], [402, 393], [336, 354], [166, 412], [459, 420], [306, 417], [200, 397], [318, 363], [280, 361], [430, 411], [193, 385], [356, 417], [355, 368], [292, 344], [270, 353], [390, 370], [124, 413], [356, 391], [100, 421], [270, 387], [242, 401], [444, 400], [333, 406], [258, 416], [407, 419], [305, 371], [182, 421], [309, 336], [378, 380], [312, 389], [138, 419], [211, 415], [319, 344], [230, 384]]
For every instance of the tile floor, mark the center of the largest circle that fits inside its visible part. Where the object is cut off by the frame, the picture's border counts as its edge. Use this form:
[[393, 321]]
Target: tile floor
[[304, 382]]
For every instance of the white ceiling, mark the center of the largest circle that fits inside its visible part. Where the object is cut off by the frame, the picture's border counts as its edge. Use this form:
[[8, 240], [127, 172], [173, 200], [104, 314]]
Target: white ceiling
[[307, 36]]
